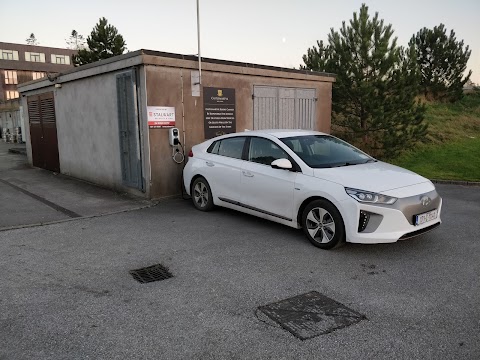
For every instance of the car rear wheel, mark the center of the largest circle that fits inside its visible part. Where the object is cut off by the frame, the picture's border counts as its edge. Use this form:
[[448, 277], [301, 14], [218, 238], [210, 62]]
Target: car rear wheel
[[323, 224], [202, 195]]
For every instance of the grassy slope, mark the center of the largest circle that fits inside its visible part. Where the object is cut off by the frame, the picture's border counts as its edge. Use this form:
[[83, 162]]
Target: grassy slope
[[452, 150]]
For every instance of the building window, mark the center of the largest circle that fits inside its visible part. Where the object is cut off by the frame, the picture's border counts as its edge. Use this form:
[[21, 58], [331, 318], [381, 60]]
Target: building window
[[12, 94], [11, 77], [60, 59], [38, 75], [34, 57], [8, 55]]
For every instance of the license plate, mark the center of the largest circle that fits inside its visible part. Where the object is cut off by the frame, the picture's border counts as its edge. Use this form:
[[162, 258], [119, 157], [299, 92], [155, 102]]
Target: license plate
[[426, 217]]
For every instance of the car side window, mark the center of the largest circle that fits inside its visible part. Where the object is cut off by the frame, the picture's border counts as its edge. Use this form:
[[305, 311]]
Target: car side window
[[230, 147], [264, 151], [213, 149]]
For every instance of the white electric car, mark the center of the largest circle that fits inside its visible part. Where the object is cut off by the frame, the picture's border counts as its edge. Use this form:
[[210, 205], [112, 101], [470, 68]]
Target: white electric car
[[314, 181]]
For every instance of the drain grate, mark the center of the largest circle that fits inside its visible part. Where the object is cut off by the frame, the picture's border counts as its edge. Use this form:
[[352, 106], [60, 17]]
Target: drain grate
[[311, 314], [152, 273]]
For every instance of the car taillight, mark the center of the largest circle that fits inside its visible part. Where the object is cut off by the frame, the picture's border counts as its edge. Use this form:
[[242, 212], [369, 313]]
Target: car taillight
[[190, 153]]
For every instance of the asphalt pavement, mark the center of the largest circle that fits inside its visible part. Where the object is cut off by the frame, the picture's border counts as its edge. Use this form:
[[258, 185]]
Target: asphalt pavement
[[66, 290]]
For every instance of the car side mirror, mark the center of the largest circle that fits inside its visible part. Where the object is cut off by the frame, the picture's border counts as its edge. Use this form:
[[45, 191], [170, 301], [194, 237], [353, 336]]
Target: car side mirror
[[283, 164]]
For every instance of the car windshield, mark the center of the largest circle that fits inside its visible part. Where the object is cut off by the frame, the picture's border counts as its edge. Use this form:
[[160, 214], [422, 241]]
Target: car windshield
[[323, 151]]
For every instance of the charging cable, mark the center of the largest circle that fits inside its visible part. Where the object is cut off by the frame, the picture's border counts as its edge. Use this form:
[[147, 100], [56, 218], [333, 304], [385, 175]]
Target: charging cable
[[177, 155]]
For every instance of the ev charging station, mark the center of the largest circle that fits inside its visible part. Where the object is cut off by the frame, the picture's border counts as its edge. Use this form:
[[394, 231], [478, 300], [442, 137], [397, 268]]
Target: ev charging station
[[177, 149]]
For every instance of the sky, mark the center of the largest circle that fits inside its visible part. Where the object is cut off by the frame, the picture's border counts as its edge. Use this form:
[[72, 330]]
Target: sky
[[266, 32]]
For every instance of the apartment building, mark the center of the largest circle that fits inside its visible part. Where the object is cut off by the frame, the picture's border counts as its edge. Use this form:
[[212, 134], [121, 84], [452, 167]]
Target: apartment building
[[21, 63]]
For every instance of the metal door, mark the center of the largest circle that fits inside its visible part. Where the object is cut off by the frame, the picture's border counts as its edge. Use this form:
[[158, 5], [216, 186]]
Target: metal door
[[284, 108], [265, 107], [43, 131], [305, 109], [129, 130]]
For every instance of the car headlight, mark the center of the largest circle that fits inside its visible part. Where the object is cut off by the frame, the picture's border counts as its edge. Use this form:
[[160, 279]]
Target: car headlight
[[370, 197]]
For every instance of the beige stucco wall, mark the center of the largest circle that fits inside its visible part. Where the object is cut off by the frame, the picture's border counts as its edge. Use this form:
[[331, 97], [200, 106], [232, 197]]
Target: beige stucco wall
[[164, 85], [87, 128]]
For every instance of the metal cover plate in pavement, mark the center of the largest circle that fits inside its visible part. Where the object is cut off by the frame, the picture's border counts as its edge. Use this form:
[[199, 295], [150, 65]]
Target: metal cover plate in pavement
[[311, 314], [152, 273]]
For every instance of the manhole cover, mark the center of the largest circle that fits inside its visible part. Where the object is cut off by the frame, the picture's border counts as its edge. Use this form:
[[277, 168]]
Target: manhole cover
[[152, 273], [311, 314]]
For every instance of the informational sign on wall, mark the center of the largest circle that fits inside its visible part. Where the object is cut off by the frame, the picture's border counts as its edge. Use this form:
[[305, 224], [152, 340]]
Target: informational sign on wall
[[219, 111], [160, 117]]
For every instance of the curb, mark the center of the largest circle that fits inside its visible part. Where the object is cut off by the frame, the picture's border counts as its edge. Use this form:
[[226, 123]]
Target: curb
[[25, 226], [456, 182]]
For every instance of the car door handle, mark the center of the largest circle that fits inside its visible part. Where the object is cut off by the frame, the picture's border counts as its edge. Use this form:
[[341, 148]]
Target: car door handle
[[209, 163], [247, 173]]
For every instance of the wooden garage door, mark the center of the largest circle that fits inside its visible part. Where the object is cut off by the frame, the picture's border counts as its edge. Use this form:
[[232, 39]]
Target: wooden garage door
[[43, 131]]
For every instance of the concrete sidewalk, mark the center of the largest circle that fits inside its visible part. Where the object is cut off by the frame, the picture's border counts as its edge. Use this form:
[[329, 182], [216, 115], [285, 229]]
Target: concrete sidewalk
[[30, 196]]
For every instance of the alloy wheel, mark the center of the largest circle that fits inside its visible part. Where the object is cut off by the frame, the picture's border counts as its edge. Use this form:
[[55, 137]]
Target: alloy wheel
[[320, 225], [200, 194]]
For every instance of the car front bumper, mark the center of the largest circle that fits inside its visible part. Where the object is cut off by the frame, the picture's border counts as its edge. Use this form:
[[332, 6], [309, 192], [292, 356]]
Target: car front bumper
[[389, 223]]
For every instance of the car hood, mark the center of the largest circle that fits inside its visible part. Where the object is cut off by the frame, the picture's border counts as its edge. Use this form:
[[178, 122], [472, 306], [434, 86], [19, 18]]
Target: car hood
[[375, 177]]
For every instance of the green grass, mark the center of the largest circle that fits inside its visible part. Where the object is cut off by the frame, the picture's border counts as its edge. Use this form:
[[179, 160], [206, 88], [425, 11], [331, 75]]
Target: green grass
[[452, 148], [458, 160]]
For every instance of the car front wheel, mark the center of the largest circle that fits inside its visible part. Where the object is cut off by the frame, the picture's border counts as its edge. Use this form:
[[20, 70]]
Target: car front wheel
[[202, 195], [323, 224]]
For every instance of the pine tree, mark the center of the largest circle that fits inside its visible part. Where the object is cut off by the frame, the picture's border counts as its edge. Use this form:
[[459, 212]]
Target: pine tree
[[373, 102], [442, 61], [32, 40], [76, 41], [104, 42]]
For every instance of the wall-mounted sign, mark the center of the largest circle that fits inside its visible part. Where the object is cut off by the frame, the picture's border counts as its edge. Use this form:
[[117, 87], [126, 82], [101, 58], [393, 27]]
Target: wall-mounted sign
[[219, 111], [160, 117], [195, 81]]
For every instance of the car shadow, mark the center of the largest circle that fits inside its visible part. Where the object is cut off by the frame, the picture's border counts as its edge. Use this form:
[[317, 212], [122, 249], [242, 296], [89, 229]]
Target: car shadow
[[421, 244], [414, 245]]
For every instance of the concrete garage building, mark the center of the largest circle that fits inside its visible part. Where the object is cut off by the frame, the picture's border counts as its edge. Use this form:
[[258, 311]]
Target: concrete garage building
[[108, 122]]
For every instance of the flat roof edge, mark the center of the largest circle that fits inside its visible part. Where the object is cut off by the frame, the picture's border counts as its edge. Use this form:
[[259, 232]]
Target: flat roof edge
[[234, 63], [35, 46], [115, 63]]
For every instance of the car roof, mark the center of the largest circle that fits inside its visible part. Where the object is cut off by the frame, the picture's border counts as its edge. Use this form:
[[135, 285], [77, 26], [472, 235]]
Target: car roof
[[280, 133]]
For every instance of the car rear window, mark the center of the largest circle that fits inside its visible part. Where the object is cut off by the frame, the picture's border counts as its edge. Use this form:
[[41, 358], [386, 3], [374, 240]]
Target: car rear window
[[230, 147]]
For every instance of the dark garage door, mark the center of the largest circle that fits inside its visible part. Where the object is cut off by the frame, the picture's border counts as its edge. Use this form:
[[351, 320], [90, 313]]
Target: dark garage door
[[43, 131]]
